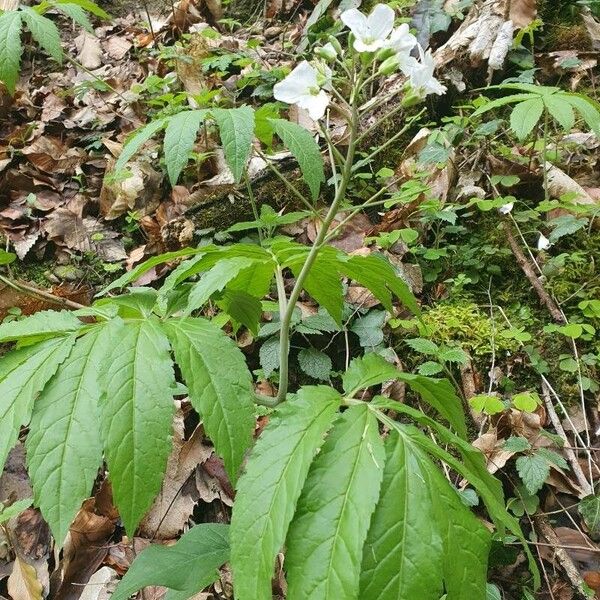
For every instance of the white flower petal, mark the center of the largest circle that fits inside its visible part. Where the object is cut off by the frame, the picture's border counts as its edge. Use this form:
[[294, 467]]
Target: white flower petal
[[316, 105], [361, 45], [356, 22], [296, 84], [506, 208], [408, 64], [543, 242], [401, 40], [381, 21]]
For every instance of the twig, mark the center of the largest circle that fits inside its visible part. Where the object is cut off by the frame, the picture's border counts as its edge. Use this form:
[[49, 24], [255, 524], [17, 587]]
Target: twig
[[33, 291]]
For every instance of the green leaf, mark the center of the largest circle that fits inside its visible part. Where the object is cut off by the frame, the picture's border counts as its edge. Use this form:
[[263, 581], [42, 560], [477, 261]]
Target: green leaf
[[526, 401], [490, 405], [76, 14], [589, 509], [516, 444], [430, 368], [64, 449], [367, 371], [215, 280], [23, 375], [219, 384], [326, 537], [269, 356], [243, 308], [423, 346], [6, 258], [136, 414], [48, 323], [269, 489], [421, 534], [136, 141], [305, 150], [315, 363], [525, 116], [88, 5], [44, 32], [236, 127], [561, 110], [503, 102], [15, 509], [180, 136], [585, 108], [142, 268], [188, 566], [553, 458], [533, 471], [369, 328], [10, 48]]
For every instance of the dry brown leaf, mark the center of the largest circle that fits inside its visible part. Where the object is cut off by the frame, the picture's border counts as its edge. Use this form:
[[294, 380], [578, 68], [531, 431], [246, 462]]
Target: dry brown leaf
[[50, 155], [522, 12], [23, 583], [89, 50], [101, 585]]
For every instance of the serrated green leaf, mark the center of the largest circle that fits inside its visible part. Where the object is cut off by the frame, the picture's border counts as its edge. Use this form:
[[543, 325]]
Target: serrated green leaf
[[23, 375], [10, 48], [533, 471], [44, 32], [429, 368], [242, 307], [364, 372], [219, 384], [76, 14], [236, 127], [326, 537], [43, 323], [137, 140], [8, 512], [305, 150], [6, 258], [180, 136], [315, 363], [516, 444], [269, 489], [552, 457], [215, 280], [423, 346], [188, 566], [525, 116], [136, 414], [589, 509], [88, 5], [586, 109], [369, 328], [503, 102], [561, 110], [269, 356], [64, 449]]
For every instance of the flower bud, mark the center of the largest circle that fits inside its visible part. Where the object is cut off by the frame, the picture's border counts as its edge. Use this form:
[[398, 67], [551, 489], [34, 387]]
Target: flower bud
[[411, 98], [389, 65], [335, 43], [327, 52], [384, 53]]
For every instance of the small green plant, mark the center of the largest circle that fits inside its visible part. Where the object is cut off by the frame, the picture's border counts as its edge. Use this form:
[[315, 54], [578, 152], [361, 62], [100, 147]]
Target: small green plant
[[42, 30]]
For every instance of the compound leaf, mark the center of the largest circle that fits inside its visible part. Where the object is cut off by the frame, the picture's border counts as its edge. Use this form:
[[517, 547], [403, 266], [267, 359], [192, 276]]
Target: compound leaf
[[326, 537], [561, 110], [186, 567], [236, 126], [136, 414], [180, 136], [44, 32], [219, 385], [525, 116], [64, 449], [269, 489], [76, 14], [305, 150]]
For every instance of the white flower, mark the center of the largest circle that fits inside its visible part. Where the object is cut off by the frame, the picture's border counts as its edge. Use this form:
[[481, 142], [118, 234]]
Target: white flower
[[401, 41], [506, 208], [370, 32], [301, 87], [543, 242], [421, 75]]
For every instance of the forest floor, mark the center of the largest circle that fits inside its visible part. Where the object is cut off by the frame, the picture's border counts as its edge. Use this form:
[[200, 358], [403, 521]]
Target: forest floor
[[505, 262]]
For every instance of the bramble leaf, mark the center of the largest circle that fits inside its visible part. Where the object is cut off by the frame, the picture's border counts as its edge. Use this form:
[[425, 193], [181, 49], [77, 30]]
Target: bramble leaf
[[269, 489]]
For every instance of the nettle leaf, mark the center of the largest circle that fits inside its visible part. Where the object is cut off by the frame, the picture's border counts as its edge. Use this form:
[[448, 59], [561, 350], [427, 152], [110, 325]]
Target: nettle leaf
[[305, 150], [186, 567], [219, 384], [533, 471], [136, 141], [76, 14], [236, 127], [269, 489], [136, 414], [23, 375], [64, 449], [180, 136], [10, 48], [421, 534], [561, 110], [44, 32], [326, 537], [48, 323], [269, 355], [525, 116], [315, 363]]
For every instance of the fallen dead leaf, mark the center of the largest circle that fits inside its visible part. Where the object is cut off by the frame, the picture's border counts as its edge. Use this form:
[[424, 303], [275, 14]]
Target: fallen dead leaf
[[89, 50], [23, 583]]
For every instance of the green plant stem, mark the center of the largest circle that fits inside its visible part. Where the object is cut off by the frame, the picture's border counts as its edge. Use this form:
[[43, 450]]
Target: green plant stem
[[284, 339], [253, 204], [544, 160], [378, 122]]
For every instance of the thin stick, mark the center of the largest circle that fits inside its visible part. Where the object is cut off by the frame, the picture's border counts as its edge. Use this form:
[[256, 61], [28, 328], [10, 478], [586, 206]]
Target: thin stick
[[36, 292]]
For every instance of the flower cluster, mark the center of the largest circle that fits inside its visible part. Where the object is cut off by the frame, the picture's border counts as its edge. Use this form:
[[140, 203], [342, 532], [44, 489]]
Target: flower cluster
[[375, 36]]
